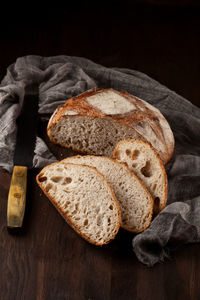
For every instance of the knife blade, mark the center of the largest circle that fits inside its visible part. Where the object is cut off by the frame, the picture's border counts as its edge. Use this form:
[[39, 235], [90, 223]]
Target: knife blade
[[23, 160]]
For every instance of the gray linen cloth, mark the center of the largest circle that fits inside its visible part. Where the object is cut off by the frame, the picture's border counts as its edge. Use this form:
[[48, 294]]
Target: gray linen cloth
[[61, 77]]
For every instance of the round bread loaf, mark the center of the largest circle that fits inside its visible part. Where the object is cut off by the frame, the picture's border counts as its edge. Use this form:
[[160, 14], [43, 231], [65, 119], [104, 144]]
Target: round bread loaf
[[95, 121]]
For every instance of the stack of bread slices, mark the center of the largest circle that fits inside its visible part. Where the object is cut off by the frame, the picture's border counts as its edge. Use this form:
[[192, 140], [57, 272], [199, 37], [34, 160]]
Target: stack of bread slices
[[122, 179]]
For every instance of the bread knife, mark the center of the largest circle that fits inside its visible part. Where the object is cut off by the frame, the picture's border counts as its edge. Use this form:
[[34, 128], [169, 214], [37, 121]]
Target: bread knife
[[23, 160]]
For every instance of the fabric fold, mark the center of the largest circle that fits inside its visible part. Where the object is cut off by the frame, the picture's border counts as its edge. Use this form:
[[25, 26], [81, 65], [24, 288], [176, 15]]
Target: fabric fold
[[59, 78]]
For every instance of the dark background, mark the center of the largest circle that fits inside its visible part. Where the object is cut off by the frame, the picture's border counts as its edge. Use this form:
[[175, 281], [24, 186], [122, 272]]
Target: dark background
[[48, 260], [160, 38]]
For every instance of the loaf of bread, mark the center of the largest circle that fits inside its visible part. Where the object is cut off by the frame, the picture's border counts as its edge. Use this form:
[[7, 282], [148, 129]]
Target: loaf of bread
[[144, 161], [96, 120], [134, 199], [84, 198]]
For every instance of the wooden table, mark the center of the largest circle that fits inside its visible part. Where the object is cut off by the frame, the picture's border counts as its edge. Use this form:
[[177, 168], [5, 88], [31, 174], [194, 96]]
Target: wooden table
[[47, 259]]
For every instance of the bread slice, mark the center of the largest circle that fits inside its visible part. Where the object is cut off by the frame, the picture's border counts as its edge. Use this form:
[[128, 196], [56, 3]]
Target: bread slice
[[84, 198], [144, 161], [95, 121], [135, 201]]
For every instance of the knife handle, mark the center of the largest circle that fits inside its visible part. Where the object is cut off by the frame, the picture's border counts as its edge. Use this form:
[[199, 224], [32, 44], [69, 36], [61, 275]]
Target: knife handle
[[17, 197]]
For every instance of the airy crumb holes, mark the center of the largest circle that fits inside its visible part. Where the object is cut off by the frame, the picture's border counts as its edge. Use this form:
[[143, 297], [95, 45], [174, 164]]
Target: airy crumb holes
[[111, 207], [67, 180], [48, 187], [128, 152], [56, 178], [41, 179], [146, 170], [85, 222], [111, 144], [135, 154], [124, 219], [154, 186]]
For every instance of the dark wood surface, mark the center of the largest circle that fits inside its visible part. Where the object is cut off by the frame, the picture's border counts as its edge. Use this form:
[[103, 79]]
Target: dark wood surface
[[47, 259]]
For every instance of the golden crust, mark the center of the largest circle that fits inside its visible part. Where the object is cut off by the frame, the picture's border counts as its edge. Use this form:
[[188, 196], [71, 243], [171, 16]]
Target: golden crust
[[116, 156], [137, 179], [68, 219], [80, 105], [130, 119]]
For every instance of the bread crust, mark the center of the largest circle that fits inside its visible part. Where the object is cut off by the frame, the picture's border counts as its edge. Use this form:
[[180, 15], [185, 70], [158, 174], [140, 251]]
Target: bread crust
[[144, 112], [68, 219], [116, 156], [137, 179]]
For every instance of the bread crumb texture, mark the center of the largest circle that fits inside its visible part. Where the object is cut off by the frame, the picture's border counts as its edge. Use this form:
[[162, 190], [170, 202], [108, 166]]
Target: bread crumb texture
[[135, 201], [84, 199], [90, 134], [143, 160]]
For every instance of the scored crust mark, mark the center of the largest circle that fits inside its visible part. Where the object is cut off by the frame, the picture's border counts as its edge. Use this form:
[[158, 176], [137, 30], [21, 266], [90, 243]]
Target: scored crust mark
[[110, 103], [127, 116]]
